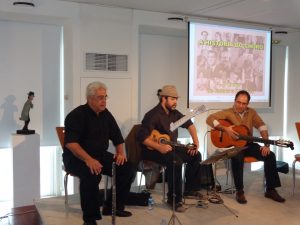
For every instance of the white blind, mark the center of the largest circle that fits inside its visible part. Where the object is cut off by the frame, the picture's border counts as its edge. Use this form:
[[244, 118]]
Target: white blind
[[29, 61]]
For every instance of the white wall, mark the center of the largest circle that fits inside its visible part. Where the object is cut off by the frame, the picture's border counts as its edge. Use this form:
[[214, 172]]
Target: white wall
[[29, 62], [163, 60], [293, 103]]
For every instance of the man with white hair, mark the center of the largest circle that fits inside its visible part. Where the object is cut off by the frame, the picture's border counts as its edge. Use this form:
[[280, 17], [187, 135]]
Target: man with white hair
[[88, 129]]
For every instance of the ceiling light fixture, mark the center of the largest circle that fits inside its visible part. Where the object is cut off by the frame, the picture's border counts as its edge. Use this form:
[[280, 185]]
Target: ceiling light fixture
[[175, 18], [23, 3], [281, 32]]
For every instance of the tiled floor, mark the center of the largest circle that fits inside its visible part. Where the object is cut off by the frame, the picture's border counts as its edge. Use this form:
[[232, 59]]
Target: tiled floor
[[259, 210]]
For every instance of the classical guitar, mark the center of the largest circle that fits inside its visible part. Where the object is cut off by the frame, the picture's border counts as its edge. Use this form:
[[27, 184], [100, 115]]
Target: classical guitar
[[165, 139], [222, 140]]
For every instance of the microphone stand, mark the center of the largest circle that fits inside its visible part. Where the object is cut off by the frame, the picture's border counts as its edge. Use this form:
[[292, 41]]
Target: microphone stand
[[173, 218], [173, 127]]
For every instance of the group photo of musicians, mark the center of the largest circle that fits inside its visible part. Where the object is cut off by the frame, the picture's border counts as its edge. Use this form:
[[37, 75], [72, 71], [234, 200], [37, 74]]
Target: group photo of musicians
[[90, 127]]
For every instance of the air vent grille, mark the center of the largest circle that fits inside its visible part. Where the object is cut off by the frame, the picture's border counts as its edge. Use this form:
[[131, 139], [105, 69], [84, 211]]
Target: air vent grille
[[106, 62]]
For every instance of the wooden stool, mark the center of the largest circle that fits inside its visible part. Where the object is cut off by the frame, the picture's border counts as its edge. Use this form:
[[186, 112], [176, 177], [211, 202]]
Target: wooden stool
[[297, 159]]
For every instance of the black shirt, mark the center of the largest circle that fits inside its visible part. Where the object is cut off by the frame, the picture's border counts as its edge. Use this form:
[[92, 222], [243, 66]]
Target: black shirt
[[91, 131], [159, 120]]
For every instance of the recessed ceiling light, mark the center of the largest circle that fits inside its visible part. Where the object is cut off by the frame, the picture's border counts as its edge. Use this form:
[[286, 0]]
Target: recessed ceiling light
[[22, 3], [280, 32], [175, 18]]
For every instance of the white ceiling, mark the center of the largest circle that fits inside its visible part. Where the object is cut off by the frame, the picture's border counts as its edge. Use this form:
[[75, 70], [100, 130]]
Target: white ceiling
[[279, 14]]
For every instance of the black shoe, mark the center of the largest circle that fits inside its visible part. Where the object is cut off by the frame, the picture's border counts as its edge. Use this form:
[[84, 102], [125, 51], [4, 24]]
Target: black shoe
[[120, 213], [240, 197], [91, 222], [273, 194]]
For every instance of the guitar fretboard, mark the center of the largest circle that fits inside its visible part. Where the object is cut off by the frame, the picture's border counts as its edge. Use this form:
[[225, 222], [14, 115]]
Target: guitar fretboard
[[280, 143], [257, 139], [190, 115]]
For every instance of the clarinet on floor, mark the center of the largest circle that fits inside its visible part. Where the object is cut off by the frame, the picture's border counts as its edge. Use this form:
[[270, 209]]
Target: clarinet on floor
[[113, 189]]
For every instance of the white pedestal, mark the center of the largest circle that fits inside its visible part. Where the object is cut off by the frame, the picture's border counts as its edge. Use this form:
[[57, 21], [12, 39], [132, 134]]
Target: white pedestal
[[26, 168]]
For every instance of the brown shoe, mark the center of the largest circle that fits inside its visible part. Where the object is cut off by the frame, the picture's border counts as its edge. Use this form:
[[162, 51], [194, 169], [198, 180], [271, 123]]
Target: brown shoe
[[240, 197], [179, 207], [273, 194]]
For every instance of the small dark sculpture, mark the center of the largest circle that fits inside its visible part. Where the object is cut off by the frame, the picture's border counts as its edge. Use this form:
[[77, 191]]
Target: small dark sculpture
[[25, 115]]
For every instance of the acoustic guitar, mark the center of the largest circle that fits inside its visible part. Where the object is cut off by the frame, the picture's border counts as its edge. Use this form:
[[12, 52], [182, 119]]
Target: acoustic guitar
[[165, 139], [222, 140]]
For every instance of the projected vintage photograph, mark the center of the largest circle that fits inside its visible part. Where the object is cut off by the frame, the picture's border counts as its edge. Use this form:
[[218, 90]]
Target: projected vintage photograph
[[225, 60]]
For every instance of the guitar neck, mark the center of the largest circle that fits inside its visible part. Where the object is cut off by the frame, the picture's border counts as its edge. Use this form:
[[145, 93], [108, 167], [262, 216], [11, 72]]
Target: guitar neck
[[178, 123], [257, 139]]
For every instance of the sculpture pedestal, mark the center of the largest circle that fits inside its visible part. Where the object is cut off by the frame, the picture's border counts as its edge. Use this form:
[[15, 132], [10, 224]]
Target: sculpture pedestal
[[26, 169], [26, 132]]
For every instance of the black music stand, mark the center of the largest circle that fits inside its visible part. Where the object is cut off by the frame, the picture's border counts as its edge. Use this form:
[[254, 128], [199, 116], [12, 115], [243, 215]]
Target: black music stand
[[226, 154], [213, 159]]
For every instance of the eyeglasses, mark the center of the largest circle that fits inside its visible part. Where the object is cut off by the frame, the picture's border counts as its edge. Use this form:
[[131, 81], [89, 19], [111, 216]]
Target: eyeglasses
[[101, 98], [242, 103]]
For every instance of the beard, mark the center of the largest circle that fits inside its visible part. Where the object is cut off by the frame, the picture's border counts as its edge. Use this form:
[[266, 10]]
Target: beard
[[171, 107]]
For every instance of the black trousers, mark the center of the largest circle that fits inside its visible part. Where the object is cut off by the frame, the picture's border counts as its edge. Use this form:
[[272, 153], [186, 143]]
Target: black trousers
[[253, 149], [179, 156], [89, 184], [26, 122]]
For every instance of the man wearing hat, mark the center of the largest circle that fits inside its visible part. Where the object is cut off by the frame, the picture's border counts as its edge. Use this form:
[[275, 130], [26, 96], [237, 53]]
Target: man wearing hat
[[159, 119], [25, 111]]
